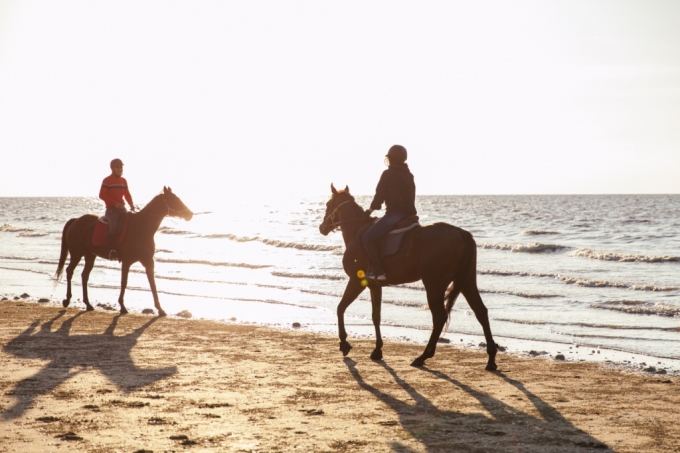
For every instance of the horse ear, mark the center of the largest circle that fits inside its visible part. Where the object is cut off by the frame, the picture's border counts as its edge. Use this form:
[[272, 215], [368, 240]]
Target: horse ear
[[169, 189], [165, 189], [347, 189], [333, 189]]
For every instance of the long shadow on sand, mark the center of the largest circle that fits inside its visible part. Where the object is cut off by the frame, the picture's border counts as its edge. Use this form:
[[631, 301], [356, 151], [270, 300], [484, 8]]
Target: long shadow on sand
[[507, 426], [70, 355]]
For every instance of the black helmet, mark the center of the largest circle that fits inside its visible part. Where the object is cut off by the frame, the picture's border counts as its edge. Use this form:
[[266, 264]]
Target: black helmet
[[397, 154], [116, 162]]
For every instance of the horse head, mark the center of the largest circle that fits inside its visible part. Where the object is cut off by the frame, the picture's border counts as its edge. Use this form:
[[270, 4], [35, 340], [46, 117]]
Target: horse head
[[176, 208], [333, 217]]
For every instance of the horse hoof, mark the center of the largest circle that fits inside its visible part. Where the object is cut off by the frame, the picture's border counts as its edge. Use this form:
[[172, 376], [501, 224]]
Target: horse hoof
[[345, 347], [89, 308], [376, 355], [123, 311], [65, 302], [162, 313], [418, 362], [491, 367]]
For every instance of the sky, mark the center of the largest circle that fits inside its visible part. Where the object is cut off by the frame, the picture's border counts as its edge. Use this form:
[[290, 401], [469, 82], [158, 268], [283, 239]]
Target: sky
[[253, 100]]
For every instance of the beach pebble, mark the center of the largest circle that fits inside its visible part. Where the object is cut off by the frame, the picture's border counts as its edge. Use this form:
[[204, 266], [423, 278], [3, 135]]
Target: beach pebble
[[650, 369], [482, 345], [42, 300], [559, 357], [296, 325], [16, 298], [4, 298], [184, 314], [443, 340], [148, 311], [501, 348], [24, 296]]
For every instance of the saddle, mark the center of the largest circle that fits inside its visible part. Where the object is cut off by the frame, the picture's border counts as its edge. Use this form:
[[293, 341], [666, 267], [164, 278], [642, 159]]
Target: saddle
[[391, 244], [101, 231]]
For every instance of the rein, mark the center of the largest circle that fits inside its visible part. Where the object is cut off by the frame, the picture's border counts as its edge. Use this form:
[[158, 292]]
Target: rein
[[169, 209], [335, 224]]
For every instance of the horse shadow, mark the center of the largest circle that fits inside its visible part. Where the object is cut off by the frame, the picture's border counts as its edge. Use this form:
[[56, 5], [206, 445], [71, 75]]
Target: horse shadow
[[449, 430], [70, 355]]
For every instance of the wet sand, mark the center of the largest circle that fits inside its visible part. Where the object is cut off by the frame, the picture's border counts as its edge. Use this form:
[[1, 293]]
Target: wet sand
[[73, 381]]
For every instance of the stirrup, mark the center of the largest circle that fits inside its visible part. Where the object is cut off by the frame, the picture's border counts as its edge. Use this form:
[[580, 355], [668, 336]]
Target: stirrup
[[113, 255], [378, 278]]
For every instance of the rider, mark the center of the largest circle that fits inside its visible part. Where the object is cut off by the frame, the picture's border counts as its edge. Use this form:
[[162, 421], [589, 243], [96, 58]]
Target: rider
[[114, 189], [397, 189]]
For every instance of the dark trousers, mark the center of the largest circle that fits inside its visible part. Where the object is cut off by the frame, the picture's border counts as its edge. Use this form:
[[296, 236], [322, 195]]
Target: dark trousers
[[383, 226], [115, 217], [379, 230]]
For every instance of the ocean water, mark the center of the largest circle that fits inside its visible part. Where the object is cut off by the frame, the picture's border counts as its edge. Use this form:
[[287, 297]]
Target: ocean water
[[592, 277]]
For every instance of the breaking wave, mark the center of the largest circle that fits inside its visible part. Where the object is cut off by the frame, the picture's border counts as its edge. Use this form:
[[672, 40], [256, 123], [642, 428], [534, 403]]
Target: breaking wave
[[19, 258], [168, 230], [212, 263], [7, 228], [519, 294], [276, 243], [539, 232], [31, 234], [300, 275], [638, 307], [524, 248], [588, 325], [578, 281], [624, 258]]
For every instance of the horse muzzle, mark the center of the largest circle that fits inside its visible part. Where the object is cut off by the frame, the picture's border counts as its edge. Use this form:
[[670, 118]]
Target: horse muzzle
[[324, 229], [188, 216]]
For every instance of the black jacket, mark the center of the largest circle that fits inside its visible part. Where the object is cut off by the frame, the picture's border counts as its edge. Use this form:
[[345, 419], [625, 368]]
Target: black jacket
[[397, 190]]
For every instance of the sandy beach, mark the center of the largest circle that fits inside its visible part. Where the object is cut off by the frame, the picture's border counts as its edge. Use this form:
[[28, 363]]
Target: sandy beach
[[74, 381]]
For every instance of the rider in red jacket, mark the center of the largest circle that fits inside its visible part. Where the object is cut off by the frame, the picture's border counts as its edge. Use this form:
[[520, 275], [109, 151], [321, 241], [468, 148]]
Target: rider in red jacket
[[114, 189]]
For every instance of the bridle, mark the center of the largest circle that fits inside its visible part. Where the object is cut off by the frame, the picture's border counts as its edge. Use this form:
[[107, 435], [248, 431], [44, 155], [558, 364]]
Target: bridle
[[334, 224], [179, 211]]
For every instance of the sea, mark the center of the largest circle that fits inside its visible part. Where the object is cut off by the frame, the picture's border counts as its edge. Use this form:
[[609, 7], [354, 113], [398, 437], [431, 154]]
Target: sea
[[588, 277]]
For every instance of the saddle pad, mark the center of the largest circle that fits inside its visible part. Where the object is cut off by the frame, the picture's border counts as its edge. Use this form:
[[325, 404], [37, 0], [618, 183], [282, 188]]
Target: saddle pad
[[392, 242], [101, 230]]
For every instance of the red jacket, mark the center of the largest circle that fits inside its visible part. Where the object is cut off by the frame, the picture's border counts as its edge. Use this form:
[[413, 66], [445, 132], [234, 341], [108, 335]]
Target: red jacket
[[114, 188]]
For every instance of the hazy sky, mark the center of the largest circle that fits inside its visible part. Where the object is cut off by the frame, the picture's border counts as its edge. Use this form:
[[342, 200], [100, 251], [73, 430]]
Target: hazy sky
[[243, 99]]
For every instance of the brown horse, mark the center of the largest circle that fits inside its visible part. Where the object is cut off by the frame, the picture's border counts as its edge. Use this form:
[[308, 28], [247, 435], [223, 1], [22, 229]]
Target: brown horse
[[441, 255], [137, 245]]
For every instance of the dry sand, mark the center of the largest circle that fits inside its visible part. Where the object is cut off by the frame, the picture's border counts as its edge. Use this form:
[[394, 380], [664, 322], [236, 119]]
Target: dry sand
[[72, 381]]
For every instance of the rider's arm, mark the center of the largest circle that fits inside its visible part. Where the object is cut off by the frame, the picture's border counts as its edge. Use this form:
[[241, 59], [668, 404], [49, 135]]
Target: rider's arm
[[380, 192], [104, 195], [128, 197]]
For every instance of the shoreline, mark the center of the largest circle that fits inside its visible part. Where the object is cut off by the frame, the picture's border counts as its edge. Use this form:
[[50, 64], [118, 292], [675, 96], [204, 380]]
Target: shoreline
[[573, 352], [101, 382]]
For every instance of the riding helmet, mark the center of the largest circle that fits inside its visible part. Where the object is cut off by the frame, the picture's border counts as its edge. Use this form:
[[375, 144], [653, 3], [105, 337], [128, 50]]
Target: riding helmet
[[397, 154], [116, 162]]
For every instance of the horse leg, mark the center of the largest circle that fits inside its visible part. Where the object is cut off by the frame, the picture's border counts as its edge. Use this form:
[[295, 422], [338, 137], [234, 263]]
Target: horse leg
[[376, 302], [149, 267], [352, 291], [75, 259], [125, 269], [474, 300], [435, 300], [89, 264]]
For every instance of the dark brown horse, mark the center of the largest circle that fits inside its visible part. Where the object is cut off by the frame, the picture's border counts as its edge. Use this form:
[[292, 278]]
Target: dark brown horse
[[441, 255], [137, 245]]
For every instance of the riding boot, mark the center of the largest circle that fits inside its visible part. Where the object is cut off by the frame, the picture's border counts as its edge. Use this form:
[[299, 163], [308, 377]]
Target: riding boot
[[377, 272], [111, 242]]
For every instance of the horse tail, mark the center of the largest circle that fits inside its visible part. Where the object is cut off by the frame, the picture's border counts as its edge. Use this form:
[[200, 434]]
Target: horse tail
[[64, 252], [466, 269]]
